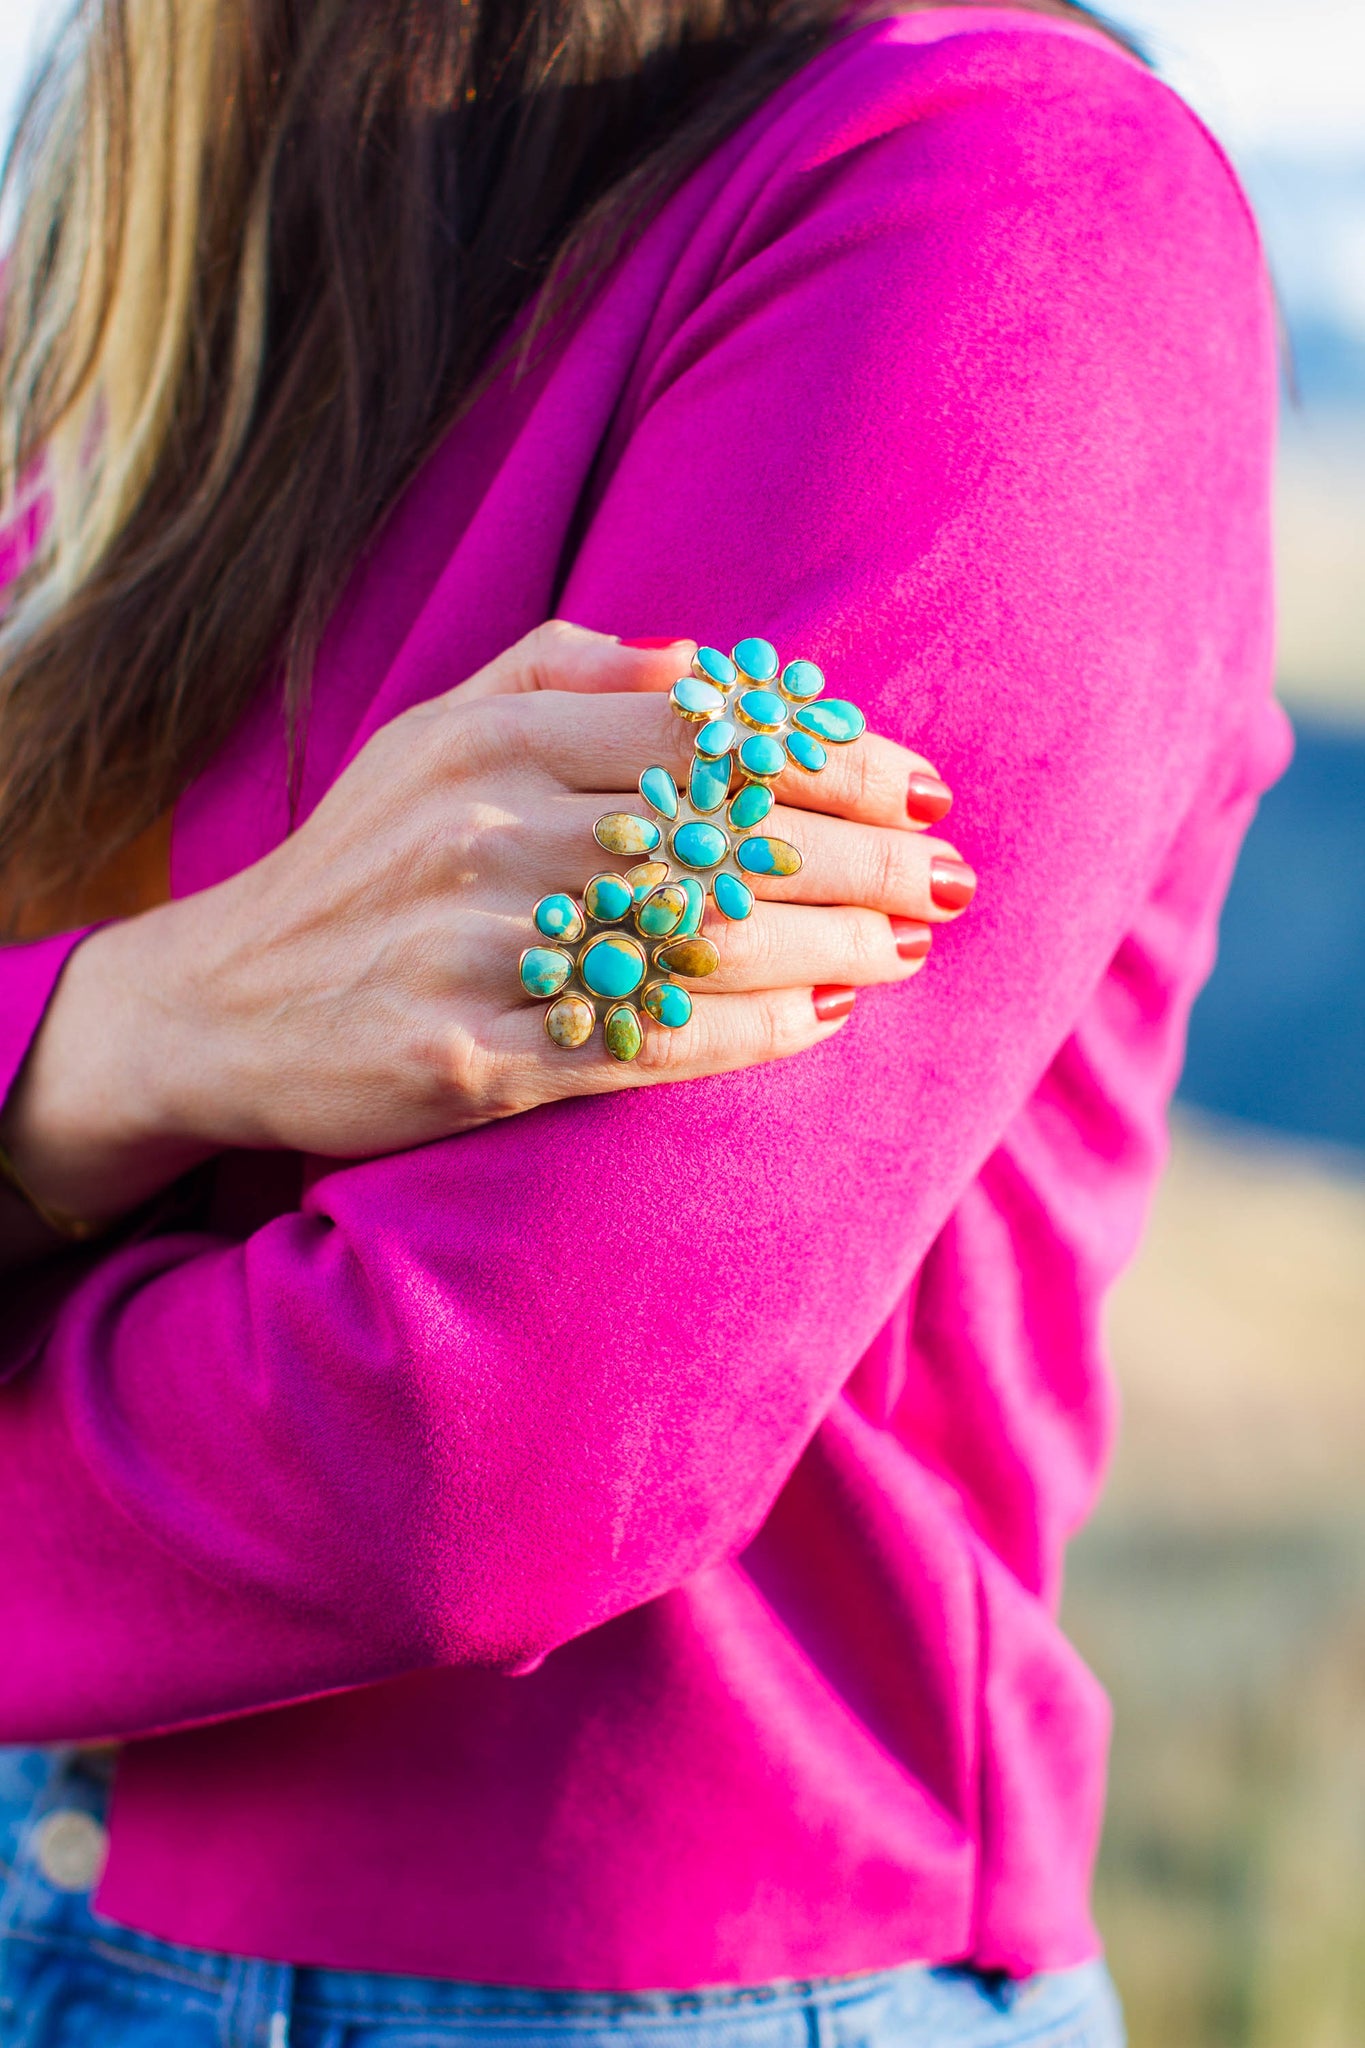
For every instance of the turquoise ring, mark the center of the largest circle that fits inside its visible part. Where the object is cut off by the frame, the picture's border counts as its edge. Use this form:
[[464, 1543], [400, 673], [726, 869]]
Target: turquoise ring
[[624, 952]]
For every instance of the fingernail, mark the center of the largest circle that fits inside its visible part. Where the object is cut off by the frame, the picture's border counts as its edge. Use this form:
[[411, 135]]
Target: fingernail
[[952, 884], [648, 645], [912, 938], [833, 1002], [927, 799]]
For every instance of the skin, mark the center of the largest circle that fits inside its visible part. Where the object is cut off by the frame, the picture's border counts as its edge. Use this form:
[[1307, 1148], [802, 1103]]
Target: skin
[[355, 992]]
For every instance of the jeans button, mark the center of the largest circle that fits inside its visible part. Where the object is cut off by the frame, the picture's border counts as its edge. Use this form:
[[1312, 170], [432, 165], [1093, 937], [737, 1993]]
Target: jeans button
[[69, 1848]]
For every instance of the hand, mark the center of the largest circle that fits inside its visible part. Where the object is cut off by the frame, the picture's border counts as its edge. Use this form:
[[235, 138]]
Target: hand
[[355, 992]]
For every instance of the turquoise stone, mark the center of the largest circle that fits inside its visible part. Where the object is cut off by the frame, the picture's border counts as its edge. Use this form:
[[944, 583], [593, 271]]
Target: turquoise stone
[[668, 1005], [621, 1030], [708, 784], [712, 666], [806, 752], [695, 699], [802, 680], [696, 906], [692, 957], [833, 720], [544, 971], [659, 916], [750, 806], [658, 788], [558, 917], [607, 898], [612, 966], [757, 658], [762, 756], [764, 709], [647, 876], [716, 739], [699, 846], [767, 857], [734, 899], [623, 832], [569, 1022]]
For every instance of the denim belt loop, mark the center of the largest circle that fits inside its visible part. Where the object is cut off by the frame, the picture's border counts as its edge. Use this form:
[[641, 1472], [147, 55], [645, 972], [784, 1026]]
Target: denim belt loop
[[258, 2005]]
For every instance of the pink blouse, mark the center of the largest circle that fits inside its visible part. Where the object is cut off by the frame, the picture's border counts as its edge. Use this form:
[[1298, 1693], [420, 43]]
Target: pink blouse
[[620, 1547]]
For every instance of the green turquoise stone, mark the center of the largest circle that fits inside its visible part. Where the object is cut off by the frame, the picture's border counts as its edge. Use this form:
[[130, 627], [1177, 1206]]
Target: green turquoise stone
[[691, 957], [767, 857], [647, 876], [833, 720], [757, 659], [696, 699], [558, 917], [762, 756], [806, 752], [569, 1022], [716, 739], [734, 899], [668, 1005], [612, 966], [802, 680], [607, 898], [623, 832], [699, 846], [763, 708], [544, 971], [712, 666], [659, 916], [696, 906], [750, 806], [622, 1032], [708, 783], [658, 788]]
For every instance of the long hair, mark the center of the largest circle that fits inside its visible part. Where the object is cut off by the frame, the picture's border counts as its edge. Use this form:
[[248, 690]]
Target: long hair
[[263, 251]]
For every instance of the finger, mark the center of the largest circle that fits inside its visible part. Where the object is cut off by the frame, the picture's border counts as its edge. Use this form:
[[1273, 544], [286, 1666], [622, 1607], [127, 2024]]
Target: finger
[[905, 874], [797, 945], [559, 656], [724, 1033]]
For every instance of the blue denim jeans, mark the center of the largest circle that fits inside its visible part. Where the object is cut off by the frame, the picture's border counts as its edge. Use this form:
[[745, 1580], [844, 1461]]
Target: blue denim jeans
[[70, 1979]]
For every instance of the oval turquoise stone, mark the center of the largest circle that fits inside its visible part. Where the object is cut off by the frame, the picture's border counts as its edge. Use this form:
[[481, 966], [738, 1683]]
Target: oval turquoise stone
[[757, 658], [699, 846], [659, 916], [762, 756], [696, 699], [658, 788], [750, 806], [708, 783], [767, 857], [806, 752], [558, 917], [763, 708], [715, 667], [623, 832], [802, 680], [690, 921], [833, 720], [734, 899], [612, 967], [668, 1005], [544, 971], [607, 897], [647, 876], [716, 739], [622, 1032]]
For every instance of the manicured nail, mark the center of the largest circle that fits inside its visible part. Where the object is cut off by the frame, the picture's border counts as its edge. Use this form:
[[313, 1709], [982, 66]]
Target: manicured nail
[[648, 646], [927, 799], [833, 1002], [952, 884], [912, 938]]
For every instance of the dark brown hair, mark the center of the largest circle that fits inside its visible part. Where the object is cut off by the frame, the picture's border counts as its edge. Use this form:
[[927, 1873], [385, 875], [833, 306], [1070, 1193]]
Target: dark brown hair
[[264, 250]]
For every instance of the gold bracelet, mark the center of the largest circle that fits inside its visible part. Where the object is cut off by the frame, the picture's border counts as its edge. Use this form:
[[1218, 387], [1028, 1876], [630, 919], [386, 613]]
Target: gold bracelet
[[72, 1228]]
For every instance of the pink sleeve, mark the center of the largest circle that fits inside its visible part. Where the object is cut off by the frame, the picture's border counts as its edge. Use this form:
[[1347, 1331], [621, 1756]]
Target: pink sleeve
[[28, 977], [977, 412]]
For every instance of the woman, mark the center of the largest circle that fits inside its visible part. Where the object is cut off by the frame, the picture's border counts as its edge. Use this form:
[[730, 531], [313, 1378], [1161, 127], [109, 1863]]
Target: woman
[[556, 1554]]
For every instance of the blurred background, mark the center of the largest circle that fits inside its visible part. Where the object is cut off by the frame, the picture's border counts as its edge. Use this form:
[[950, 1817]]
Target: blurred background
[[1220, 1592]]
